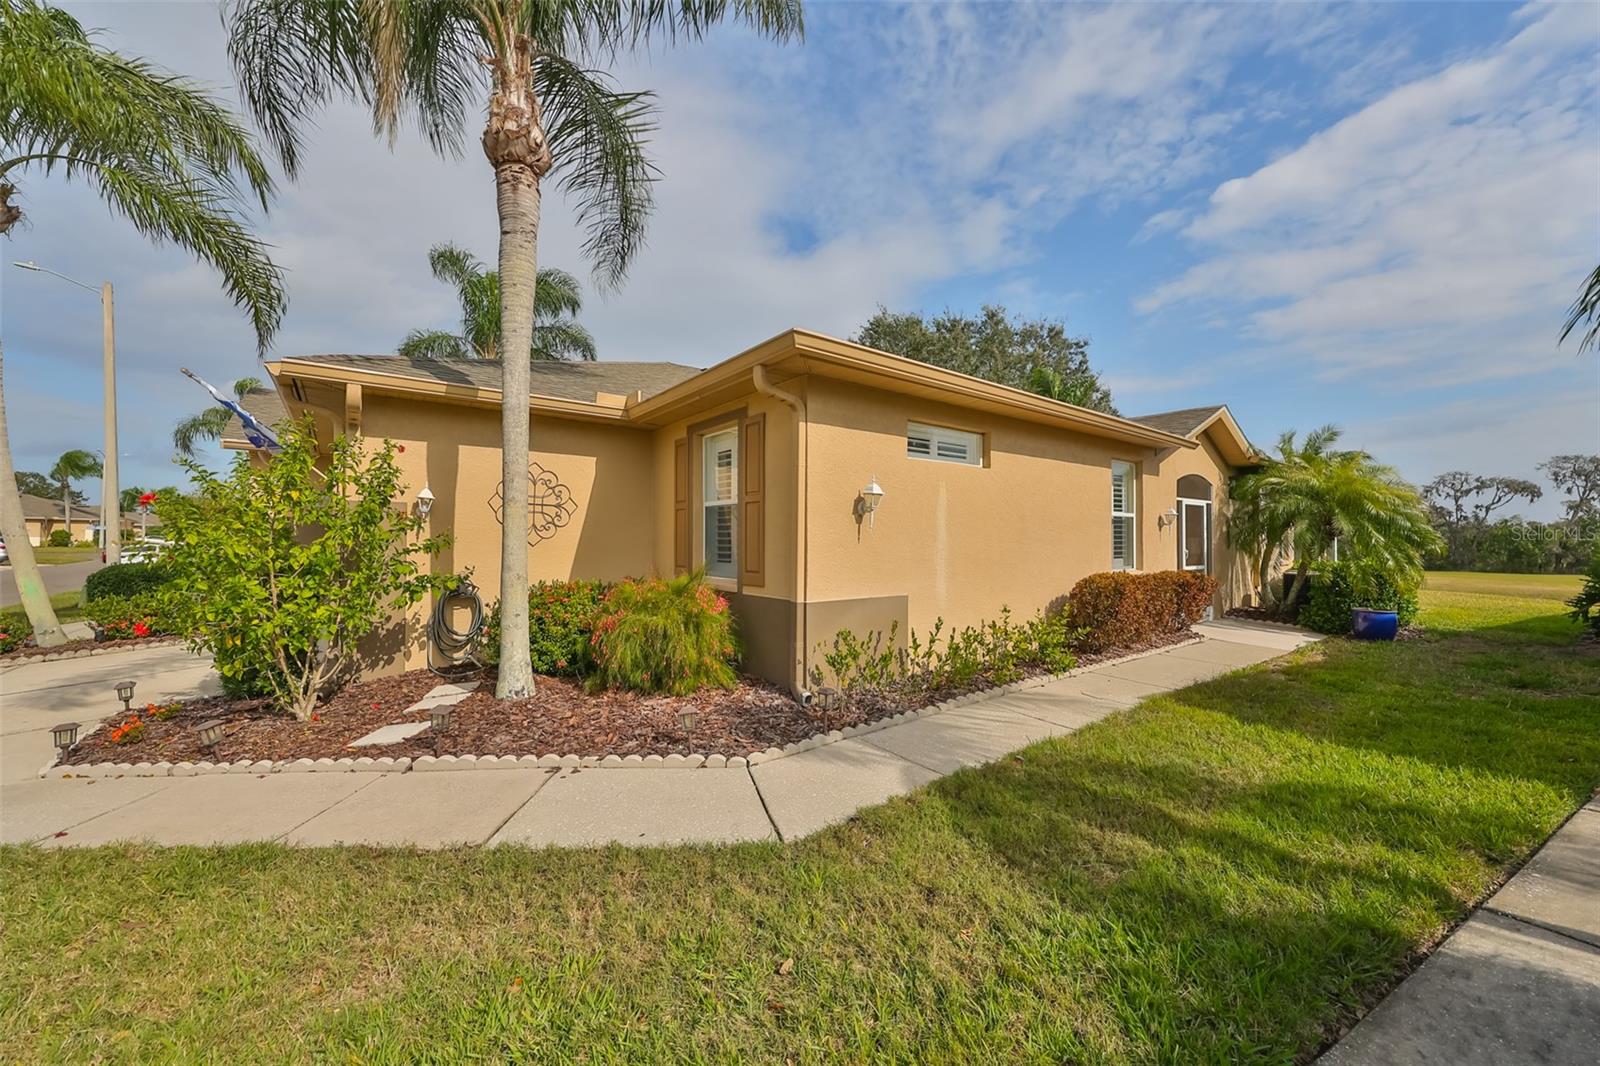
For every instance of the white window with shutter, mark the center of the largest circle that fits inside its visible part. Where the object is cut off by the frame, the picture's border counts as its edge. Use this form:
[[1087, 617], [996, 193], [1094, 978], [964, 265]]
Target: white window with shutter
[[1124, 515], [944, 445], [720, 479]]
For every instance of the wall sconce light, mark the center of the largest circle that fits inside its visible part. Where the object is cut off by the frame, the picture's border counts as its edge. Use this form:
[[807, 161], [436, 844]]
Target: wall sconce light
[[64, 735], [210, 735], [125, 694], [871, 496], [1167, 519], [424, 501]]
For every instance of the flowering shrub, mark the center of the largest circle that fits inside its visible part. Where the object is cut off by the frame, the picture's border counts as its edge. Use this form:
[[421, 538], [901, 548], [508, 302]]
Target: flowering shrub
[[1124, 609], [128, 617], [664, 636], [15, 629], [129, 732], [162, 711], [561, 618]]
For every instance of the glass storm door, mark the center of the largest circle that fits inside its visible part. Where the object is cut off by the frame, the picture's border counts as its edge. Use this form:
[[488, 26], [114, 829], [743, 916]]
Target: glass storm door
[[1194, 534]]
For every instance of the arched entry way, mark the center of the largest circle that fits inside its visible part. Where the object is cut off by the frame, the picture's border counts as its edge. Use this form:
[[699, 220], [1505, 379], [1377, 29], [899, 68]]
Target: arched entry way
[[1194, 523]]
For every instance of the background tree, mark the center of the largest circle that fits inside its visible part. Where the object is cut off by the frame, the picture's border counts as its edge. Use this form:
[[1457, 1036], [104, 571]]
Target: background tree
[[36, 484], [159, 151], [210, 423], [1010, 351], [1579, 477], [1586, 308], [548, 113], [557, 299], [72, 466], [1463, 504]]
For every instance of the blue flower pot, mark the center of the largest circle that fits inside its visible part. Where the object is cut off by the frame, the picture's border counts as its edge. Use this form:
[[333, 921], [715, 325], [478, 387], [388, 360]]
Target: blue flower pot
[[1374, 625]]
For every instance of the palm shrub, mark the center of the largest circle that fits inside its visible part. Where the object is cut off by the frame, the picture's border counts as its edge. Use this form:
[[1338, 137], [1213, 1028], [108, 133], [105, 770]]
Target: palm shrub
[[673, 636], [561, 620], [1339, 588], [1586, 604]]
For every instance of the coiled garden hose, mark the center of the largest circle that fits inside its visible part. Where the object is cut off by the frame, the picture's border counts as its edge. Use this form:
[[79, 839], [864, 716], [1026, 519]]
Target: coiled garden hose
[[455, 645]]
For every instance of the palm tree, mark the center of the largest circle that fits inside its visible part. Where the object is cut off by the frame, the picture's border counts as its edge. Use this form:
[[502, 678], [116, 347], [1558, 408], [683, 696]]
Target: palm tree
[[1312, 496], [1263, 511], [209, 424], [549, 112], [158, 150], [1585, 308], [72, 465], [1081, 390], [557, 297]]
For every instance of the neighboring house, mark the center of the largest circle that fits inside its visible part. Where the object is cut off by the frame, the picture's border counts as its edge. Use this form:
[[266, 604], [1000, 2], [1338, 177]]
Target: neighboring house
[[44, 516], [755, 470]]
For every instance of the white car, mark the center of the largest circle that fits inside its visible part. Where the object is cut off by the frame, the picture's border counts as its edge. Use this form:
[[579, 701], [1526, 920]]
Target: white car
[[145, 551], [5, 556]]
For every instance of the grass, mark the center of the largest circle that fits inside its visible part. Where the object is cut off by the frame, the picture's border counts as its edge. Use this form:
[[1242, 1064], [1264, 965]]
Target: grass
[[68, 605], [47, 556], [1226, 874], [1517, 586]]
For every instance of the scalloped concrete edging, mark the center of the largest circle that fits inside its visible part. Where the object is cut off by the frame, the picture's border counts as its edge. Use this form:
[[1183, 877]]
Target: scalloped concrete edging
[[444, 763], [84, 653]]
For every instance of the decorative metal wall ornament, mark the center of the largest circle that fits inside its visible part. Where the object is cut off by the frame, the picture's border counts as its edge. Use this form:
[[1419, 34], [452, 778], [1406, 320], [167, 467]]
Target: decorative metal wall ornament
[[550, 504]]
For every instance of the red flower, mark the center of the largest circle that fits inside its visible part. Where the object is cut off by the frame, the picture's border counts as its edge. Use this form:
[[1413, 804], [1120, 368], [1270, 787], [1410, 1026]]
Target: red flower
[[141, 629], [147, 499]]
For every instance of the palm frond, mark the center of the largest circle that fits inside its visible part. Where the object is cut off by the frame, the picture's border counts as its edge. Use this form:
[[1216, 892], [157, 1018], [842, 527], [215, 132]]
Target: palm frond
[[243, 387], [207, 425], [597, 136], [1586, 308], [556, 293], [435, 344], [75, 464], [563, 339]]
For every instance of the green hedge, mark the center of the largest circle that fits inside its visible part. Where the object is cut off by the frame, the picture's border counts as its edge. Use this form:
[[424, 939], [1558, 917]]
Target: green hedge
[[1339, 588], [1125, 608], [561, 618], [59, 538], [124, 579]]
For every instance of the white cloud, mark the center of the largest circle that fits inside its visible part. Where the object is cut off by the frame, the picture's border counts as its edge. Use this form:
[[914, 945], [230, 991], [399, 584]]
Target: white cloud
[[1458, 208]]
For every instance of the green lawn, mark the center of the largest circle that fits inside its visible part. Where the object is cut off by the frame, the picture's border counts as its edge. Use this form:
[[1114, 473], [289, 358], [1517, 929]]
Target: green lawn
[[1226, 874], [67, 604], [50, 556], [1525, 586]]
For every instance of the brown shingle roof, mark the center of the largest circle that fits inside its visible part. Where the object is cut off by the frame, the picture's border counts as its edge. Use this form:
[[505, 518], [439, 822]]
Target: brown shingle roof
[[559, 380], [1181, 423], [264, 404], [41, 507]]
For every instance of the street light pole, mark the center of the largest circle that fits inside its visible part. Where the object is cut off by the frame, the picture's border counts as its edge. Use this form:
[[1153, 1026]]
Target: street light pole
[[110, 491]]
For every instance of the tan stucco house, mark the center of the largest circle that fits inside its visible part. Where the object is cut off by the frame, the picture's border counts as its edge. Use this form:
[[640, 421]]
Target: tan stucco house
[[755, 469], [44, 516]]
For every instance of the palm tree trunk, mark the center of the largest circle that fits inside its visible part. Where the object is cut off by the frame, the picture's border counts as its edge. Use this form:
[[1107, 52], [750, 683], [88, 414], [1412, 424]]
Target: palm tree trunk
[[30, 586], [1299, 583], [66, 507], [514, 142]]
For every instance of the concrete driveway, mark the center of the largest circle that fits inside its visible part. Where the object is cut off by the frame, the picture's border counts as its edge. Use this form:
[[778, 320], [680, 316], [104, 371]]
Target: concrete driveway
[[63, 577]]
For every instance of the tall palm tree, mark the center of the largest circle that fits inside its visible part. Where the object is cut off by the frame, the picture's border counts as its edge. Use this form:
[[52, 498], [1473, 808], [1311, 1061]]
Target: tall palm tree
[[1263, 513], [1081, 390], [1586, 308], [549, 112], [1313, 496], [209, 424], [158, 150], [72, 465], [557, 298]]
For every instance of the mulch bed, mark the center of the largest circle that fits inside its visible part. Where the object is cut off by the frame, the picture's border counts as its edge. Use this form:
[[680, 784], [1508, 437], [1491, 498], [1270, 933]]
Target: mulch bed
[[1259, 614], [32, 651], [561, 718]]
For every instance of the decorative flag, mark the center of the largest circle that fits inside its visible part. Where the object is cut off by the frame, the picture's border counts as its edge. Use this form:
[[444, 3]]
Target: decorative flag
[[258, 435]]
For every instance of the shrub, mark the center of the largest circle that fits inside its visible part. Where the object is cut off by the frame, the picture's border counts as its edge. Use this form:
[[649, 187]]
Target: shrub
[[15, 629], [561, 619], [59, 538], [1586, 604], [1341, 587], [125, 579], [278, 608], [665, 636], [126, 617], [1123, 609]]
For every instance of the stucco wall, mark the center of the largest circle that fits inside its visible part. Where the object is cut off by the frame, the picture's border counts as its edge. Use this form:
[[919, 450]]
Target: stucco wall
[[961, 541]]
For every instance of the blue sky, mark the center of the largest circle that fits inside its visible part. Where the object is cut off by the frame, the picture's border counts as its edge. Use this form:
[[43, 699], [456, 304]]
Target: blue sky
[[1367, 215]]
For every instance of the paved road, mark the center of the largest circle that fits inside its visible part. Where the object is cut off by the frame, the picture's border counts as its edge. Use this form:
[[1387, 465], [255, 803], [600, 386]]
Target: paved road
[[63, 577]]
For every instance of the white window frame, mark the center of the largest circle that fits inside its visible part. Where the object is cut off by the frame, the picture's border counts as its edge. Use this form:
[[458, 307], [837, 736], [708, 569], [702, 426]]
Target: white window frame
[[969, 442], [1130, 500], [708, 501]]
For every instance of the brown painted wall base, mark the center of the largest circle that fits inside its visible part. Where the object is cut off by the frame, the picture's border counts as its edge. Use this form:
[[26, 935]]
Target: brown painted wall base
[[782, 642]]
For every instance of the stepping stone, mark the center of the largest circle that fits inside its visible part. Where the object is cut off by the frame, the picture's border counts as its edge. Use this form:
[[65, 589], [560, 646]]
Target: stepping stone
[[442, 696], [452, 689], [390, 734]]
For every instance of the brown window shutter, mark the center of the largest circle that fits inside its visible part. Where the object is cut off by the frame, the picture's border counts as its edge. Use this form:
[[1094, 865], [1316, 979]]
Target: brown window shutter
[[752, 501], [680, 506]]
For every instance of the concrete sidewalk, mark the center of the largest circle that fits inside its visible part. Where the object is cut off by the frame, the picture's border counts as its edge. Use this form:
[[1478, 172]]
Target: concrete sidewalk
[[1519, 981], [781, 799]]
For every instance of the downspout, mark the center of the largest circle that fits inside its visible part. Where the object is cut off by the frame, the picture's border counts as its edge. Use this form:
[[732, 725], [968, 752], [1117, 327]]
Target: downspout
[[802, 562]]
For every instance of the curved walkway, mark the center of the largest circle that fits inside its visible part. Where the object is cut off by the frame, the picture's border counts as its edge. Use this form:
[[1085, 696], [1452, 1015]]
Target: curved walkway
[[778, 800]]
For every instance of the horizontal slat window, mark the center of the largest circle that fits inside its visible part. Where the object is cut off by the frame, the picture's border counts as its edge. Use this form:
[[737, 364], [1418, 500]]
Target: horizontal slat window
[[944, 445]]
